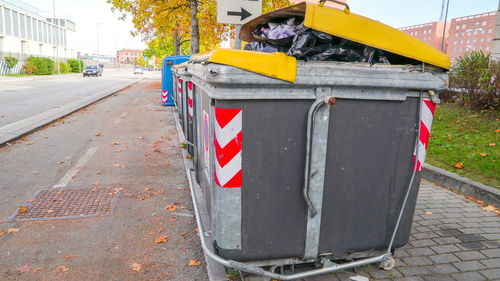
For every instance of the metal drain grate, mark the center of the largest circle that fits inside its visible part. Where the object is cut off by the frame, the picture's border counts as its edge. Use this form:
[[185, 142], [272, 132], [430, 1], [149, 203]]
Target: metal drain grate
[[68, 203]]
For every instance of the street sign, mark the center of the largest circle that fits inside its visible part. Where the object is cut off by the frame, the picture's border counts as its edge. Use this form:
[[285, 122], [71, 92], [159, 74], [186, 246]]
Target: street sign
[[238, 11]]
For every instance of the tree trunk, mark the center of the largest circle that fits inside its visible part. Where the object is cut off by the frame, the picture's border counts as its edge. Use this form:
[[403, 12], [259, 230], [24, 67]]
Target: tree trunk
[[194, 28], [177, 44]]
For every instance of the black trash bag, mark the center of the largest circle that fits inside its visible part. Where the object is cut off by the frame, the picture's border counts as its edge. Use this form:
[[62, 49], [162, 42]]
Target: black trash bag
[[265, 47]]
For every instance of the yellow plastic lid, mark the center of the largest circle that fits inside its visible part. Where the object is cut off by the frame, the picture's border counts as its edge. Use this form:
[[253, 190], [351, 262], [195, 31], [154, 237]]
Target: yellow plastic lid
[[353, 27]]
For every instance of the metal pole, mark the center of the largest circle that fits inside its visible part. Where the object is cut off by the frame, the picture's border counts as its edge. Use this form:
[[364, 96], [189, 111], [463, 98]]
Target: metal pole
[[97, 33], [57, 42], [237, 41], [445, 21]]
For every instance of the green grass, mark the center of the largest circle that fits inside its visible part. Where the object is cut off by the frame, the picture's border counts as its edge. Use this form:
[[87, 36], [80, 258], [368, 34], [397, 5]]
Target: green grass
[[26, 75], [460, 135]]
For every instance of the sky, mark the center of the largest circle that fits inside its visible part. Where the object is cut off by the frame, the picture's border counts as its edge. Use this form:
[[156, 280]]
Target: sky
[[115, 33]]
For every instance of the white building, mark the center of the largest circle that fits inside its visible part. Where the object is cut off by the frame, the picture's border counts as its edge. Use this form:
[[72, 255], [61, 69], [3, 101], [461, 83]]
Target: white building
[[25, 31]]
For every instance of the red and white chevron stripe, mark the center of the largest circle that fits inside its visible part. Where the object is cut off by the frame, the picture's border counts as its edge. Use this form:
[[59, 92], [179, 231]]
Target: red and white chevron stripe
[[164, 96], [428, 108], [190, 98], [179, 88], [228, 144]]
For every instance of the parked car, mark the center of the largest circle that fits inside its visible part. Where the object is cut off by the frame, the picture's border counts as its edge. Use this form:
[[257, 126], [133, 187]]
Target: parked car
[[92, 70], [138, 70]]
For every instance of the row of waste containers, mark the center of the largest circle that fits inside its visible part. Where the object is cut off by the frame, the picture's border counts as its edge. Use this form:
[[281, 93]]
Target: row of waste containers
[[305, 161]]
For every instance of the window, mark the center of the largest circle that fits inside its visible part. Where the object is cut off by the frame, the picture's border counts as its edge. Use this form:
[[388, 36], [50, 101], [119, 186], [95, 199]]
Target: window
[[464, 25], [45, 33], [474, 41], [1, 21], [457, 27], [484, 23], [15, 24], [481, 40], [22, 19], [425, 31], [487, 48], [29, 29], [476, 23], [35, 29], [468, 41], [490, 30], [454, 43]]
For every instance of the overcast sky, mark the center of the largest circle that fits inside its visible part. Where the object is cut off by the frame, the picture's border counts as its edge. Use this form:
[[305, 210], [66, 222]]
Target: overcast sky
[[397, 13]]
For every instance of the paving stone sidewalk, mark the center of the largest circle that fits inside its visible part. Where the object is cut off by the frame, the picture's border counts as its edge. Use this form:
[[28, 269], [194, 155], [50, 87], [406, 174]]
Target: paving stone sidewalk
[[452, 238]]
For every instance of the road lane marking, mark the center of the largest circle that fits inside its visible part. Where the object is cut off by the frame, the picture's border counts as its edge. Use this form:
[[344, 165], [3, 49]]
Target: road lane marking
[[76, 168], [120, 118]]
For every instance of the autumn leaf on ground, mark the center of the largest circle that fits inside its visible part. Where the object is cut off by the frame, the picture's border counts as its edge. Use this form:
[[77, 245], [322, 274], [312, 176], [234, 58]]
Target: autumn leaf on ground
[[148, 189], [70, 256], [141, 138], [115, 143], [118, 165], [194, 262], [97, 134], [492, 144], [136, 267], [161, 239], [489, 208], [10, 230], [497, 130], [23, 209], [483, 154], [63, 268], [141, 197], [24, 268], [428, 213], [459, 165], [172, 207]]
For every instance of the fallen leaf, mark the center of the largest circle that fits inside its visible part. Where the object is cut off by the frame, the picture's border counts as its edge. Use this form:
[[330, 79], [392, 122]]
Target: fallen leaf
[[97, 134], [98, 172], [36, 172], [24, 268], [194, 262], [483, 154], [70, 257], [30, 143], [50, 211], [24, 139], [172, 207], [97, 183], [118, 165], [23, 209], [196, 230], [492, 144], [141, 138], [497, 130], [38, 269], [428, 213], [161, 239], [184, 234], [141, 197], [148, 189], [161, 230], [489, 208], [63, 268], [136, 267], [118, 150], [459, 165], [115, 143], [12, 230]]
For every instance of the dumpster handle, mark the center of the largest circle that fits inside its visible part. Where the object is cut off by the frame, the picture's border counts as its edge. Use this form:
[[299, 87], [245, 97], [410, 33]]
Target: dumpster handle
[[396, 227], [310, 125], [322, 3]]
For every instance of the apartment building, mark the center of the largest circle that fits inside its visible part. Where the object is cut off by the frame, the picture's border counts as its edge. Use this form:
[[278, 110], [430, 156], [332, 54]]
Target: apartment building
[[431, 33], [128, 56], [475, 32], [26, 31]]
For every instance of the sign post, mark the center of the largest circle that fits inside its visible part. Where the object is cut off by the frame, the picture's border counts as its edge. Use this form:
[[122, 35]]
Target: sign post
[[238, 12]]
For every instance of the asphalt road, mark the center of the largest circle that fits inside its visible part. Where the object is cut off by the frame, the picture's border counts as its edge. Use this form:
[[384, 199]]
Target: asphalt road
[[23, 99], [127, 142]]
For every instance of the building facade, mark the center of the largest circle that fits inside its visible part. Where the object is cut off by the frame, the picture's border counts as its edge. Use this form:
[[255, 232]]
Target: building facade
[[496, 36], [475, 32], [431, 33], [128, 56], [24, 31]]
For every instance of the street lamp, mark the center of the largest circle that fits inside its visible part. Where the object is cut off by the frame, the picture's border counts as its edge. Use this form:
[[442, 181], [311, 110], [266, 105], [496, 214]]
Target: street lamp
[[57, 41]]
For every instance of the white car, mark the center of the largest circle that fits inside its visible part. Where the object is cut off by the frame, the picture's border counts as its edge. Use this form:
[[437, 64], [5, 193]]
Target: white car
[[138, 70]]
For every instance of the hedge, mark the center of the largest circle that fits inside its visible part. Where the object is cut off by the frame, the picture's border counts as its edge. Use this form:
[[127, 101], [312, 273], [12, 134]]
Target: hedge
[[75, 65], [43, 66]]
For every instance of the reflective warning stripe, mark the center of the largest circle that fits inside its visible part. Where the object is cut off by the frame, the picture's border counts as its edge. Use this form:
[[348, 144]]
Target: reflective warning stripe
[[190, 98], [179, 89], [164, 96], [228, 145], [428, 108]]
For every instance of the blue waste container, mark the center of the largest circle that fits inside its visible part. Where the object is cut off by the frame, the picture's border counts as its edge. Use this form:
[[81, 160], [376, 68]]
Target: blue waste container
[[166, 78]]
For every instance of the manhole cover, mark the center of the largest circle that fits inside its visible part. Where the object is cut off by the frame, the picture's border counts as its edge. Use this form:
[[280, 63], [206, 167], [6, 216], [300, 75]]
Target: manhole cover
[[68, 203]]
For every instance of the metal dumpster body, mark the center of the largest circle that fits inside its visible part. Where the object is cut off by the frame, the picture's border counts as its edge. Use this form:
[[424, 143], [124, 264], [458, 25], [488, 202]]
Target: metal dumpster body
[[180, 79], [166, 80], [251, 151]]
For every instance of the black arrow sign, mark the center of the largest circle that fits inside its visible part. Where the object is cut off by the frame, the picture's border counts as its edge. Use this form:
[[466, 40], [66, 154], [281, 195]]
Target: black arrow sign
[[244, 14]]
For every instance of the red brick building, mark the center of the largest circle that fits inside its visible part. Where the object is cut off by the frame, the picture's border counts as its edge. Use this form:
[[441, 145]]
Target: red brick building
[[431, 33], [473, 32], [128, 56]]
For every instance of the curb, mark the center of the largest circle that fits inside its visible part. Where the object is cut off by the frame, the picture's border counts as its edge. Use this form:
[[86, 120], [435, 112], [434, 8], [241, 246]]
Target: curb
[[22, 127], [466, 186]]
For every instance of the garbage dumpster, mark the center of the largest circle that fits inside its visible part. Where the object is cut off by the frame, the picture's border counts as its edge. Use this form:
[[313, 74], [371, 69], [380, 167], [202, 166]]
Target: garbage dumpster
[[314, 161], [166, 80], [184, 100]]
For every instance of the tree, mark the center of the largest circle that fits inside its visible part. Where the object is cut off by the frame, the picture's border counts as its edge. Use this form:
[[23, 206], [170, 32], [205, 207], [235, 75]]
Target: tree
[[168, 26], [142, 62]]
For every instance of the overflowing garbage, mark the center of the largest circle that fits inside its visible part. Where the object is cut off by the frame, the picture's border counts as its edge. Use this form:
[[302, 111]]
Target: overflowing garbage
[[290, 36]]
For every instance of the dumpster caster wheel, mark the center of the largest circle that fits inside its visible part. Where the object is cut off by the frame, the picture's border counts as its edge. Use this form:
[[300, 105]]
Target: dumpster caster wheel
[[388, 264]]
